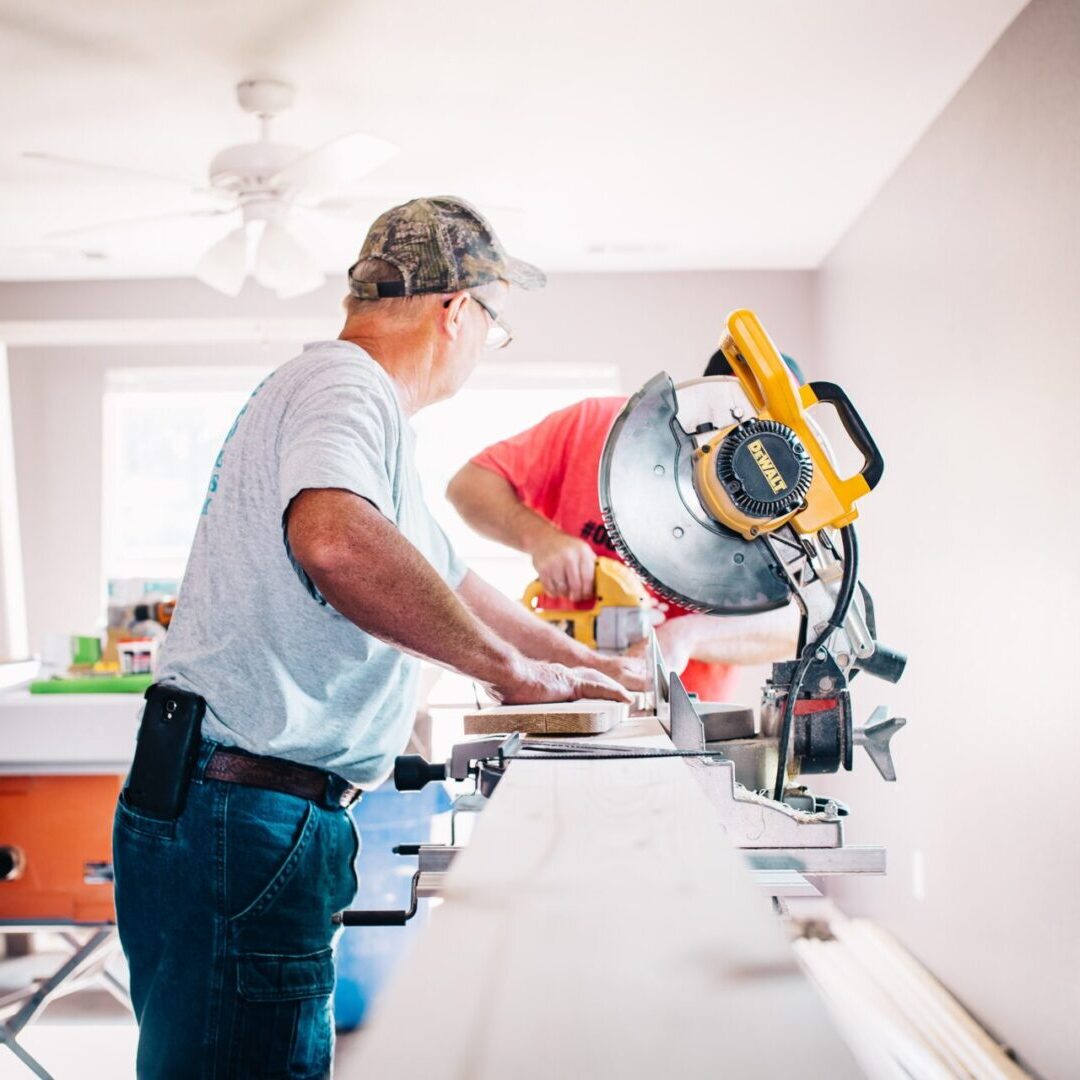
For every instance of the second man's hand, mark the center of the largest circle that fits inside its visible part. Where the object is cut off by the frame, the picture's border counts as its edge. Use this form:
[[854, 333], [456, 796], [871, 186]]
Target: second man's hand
[[565, 565]]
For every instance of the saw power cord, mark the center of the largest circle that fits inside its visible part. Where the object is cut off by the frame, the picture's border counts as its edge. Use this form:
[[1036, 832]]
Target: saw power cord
[[812, 652]]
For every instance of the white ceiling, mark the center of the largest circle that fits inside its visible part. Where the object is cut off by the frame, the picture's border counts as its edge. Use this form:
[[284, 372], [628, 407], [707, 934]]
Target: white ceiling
[[631, 135]]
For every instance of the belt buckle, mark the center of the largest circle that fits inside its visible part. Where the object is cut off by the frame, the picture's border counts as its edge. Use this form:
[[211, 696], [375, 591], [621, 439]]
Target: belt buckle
[[339, 792]]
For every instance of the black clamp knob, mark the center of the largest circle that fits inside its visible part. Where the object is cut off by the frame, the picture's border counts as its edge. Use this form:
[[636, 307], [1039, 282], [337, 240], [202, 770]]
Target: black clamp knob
[[412, 772]]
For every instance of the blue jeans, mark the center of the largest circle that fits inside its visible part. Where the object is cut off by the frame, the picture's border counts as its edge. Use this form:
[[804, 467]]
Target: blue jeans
[[225, 917]]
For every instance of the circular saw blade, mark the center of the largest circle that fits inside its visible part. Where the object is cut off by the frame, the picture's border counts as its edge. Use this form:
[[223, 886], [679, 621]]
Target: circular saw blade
[[654, 518]]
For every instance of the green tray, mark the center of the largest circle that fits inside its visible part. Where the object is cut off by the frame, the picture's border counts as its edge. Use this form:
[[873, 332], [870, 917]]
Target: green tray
[[93, 684]]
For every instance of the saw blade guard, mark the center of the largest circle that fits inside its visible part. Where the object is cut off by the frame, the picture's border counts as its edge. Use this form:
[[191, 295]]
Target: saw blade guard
[[655, 519]]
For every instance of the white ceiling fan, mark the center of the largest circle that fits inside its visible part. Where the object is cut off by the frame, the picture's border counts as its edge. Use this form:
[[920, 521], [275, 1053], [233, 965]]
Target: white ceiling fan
[[263, 184]]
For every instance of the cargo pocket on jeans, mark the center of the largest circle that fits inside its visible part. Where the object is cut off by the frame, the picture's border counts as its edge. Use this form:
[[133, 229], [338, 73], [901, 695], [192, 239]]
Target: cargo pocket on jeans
[[283, 1028]]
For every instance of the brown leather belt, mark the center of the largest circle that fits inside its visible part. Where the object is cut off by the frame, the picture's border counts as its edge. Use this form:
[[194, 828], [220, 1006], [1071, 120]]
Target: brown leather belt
[[276, 774]]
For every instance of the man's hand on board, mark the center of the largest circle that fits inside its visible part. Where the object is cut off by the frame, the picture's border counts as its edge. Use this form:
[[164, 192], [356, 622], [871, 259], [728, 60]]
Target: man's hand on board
[[536, 681]]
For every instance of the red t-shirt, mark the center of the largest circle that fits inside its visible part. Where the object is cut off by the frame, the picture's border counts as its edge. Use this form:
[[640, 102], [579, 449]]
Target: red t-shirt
[[553, 468]]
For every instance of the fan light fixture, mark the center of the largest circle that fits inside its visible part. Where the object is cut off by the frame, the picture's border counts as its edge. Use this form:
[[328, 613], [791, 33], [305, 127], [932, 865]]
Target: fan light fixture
[[270, 185]]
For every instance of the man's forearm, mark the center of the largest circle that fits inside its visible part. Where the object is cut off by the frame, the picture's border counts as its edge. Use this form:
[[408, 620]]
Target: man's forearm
[[490, 505], [373, 576], [535, 638], [739, 639], [565, 564], [531, 635]]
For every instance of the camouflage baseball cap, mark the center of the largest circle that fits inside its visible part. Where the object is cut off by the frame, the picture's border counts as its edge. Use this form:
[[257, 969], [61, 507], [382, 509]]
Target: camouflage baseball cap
[[438, 245]]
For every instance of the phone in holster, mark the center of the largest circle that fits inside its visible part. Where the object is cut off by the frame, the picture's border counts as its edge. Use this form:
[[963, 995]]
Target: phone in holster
[[165, 753]]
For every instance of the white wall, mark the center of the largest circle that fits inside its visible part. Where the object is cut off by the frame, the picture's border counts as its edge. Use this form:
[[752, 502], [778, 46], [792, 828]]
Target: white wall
[[645, 322], [13, 634], [951, 312]]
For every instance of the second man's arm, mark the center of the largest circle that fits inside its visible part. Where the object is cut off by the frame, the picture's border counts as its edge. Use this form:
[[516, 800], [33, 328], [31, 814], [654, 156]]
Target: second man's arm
[[565, 565]]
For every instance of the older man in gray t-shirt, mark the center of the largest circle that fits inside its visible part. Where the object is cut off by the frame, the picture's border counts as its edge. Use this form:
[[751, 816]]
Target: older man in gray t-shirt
[[316, 582], [329, 694]]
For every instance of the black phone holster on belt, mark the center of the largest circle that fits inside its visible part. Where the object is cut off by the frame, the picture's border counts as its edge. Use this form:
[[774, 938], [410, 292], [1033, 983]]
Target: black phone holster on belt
[[166, 751]]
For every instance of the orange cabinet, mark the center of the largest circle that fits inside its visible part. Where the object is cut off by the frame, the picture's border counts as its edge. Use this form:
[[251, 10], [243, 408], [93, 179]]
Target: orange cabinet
[[56, 847]]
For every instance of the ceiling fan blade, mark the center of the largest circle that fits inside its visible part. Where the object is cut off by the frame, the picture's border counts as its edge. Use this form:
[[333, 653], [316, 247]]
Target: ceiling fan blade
[[224, 266], [284, 265], [122, 170], [334, 165], [124, 223]]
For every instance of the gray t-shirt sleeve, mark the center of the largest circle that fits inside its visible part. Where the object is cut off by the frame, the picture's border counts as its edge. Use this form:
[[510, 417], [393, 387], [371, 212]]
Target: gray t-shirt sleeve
[[345, 431], [341, 433]]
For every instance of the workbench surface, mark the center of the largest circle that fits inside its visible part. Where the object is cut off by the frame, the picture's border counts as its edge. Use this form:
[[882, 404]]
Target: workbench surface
[[600, 925]]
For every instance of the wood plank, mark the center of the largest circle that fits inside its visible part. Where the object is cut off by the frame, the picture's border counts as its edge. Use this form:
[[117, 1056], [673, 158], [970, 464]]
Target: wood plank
[[565, 718], [600, 925]]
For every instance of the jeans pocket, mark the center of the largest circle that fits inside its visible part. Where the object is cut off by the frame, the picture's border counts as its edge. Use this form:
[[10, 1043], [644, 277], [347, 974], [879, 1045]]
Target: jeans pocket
[[283, 1027], [267, 835], [132, 820]]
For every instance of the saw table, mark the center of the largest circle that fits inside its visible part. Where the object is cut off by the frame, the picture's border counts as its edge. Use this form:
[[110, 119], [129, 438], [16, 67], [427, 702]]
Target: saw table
[[599, 924]]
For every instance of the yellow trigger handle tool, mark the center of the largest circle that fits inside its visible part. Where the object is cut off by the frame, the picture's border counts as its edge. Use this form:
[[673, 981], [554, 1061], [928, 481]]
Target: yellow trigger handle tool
[[617, 617], [754, 478]]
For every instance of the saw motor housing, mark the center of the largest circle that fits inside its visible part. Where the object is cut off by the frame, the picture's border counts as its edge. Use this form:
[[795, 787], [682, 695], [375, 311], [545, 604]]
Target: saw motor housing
[[761, 472]]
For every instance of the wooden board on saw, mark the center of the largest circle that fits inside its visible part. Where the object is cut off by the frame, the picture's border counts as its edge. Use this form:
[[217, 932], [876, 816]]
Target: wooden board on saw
[[564, 718], [598, 922]]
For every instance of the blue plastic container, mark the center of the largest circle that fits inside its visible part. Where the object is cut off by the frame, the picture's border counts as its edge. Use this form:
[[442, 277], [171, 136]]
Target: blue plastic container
[[366, 956]]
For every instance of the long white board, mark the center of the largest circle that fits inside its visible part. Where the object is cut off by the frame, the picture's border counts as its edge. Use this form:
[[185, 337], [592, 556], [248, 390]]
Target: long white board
[[600, 925]]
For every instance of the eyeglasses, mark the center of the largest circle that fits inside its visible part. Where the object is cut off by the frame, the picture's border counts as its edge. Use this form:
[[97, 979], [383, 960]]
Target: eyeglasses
[[499, 334]]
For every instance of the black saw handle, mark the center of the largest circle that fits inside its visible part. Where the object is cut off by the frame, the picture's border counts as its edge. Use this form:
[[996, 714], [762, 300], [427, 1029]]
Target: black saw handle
[[858, 432]]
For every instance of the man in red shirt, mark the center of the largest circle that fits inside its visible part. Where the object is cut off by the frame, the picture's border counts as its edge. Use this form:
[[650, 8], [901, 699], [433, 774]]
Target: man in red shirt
[[537, 492]]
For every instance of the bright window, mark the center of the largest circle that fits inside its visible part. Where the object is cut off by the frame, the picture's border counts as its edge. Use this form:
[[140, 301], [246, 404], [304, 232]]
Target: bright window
[[163, 427]]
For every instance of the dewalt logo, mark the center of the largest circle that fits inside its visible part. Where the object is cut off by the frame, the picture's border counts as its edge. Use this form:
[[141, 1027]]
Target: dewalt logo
[[765, 464]]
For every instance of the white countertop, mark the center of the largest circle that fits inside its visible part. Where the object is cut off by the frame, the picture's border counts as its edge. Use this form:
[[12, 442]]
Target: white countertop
[[67, 733]]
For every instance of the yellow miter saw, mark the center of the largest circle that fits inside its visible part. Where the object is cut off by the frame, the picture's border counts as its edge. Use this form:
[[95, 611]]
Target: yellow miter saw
[[615, 618], [721, 492]]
